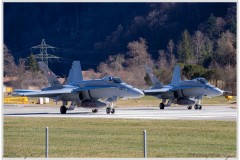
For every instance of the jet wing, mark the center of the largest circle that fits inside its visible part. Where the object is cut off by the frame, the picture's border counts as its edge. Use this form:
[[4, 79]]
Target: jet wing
[[92, 87], [184, 87], [54, 92], [160, 90], [169, 89]]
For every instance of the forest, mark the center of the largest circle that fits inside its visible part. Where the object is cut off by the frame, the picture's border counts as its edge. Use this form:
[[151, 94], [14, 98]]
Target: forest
[[209, 52]]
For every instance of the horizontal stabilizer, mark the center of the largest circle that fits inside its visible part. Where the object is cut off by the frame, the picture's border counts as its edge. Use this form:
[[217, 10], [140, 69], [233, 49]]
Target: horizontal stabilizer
[[24, 90], [41, 93]]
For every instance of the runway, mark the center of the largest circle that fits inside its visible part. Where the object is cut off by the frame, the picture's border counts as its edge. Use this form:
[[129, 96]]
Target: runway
[[228, 113]]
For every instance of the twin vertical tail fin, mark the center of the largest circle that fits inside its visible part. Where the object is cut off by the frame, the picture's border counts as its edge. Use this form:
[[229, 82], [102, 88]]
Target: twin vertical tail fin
[[176, 77], [155, 82], [51, 77], [75, 73]]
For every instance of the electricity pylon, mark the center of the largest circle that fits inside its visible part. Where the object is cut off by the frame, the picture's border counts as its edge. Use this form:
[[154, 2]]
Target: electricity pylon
[[43, 55]]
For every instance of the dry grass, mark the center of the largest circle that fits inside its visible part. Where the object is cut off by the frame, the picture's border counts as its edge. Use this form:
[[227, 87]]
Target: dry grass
[[152, 101]]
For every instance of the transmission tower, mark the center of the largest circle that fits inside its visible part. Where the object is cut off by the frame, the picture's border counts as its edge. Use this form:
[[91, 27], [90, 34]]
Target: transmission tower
[[43, 55]]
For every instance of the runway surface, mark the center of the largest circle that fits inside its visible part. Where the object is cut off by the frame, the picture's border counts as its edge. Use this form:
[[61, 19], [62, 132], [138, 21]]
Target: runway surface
[[228, 113]]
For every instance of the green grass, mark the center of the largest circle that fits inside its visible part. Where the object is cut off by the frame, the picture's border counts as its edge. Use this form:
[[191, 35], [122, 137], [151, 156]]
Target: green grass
[[71, 137]]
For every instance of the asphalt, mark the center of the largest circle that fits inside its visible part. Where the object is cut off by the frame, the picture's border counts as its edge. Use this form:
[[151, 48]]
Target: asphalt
[[225, 113]]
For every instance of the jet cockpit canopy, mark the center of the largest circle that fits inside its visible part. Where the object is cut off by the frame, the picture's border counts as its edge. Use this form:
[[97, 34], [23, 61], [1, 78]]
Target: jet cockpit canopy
[[200, 80], [112, 79]]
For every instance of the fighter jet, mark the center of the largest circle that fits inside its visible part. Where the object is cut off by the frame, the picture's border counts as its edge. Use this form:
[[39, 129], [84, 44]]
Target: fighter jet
[[93, 94], [188, 92]]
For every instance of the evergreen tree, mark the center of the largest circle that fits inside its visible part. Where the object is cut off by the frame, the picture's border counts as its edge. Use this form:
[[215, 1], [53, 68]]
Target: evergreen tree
[[33, 63], [207, 53], [231, 19], [210, 26], [194, 71], [185, 48]]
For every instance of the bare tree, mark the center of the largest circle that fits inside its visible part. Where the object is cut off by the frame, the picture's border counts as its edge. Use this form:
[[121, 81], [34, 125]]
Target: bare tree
[[230, 78], [162, 59], [198, 44], [170, 56], [116, 62], [131, 69], [226, 52], [10, 67], [138, 54], [104, 69]]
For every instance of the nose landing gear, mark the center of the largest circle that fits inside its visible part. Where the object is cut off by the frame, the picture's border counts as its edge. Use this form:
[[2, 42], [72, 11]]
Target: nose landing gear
[[110, 109]]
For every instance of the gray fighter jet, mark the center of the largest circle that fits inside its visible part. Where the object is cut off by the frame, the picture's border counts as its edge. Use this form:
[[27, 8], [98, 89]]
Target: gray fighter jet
[[93, 94], [188, 92]]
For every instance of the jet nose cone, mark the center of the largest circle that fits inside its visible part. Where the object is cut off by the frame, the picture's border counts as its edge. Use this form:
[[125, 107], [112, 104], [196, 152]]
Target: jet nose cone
[[141, 93], [138, 93], [217, 92]]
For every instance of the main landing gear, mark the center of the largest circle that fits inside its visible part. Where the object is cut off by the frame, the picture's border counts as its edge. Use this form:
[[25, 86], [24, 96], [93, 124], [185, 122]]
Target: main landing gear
[[161, 106], [189, 107], [63, 109], [95, 110], [198, 106]]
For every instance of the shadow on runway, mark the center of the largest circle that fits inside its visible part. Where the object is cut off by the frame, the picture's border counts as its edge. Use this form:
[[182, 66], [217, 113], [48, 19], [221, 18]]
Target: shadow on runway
[[19, 114], [156, 109], [44, 113], [71, 113]]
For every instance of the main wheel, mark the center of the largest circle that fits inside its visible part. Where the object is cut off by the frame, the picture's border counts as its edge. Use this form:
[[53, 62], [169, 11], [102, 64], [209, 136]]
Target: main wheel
[[113, 111], [189, 107], [196, 107], [161, 106], [95, 110], [108, 110], [63, 110], [200, 107]]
